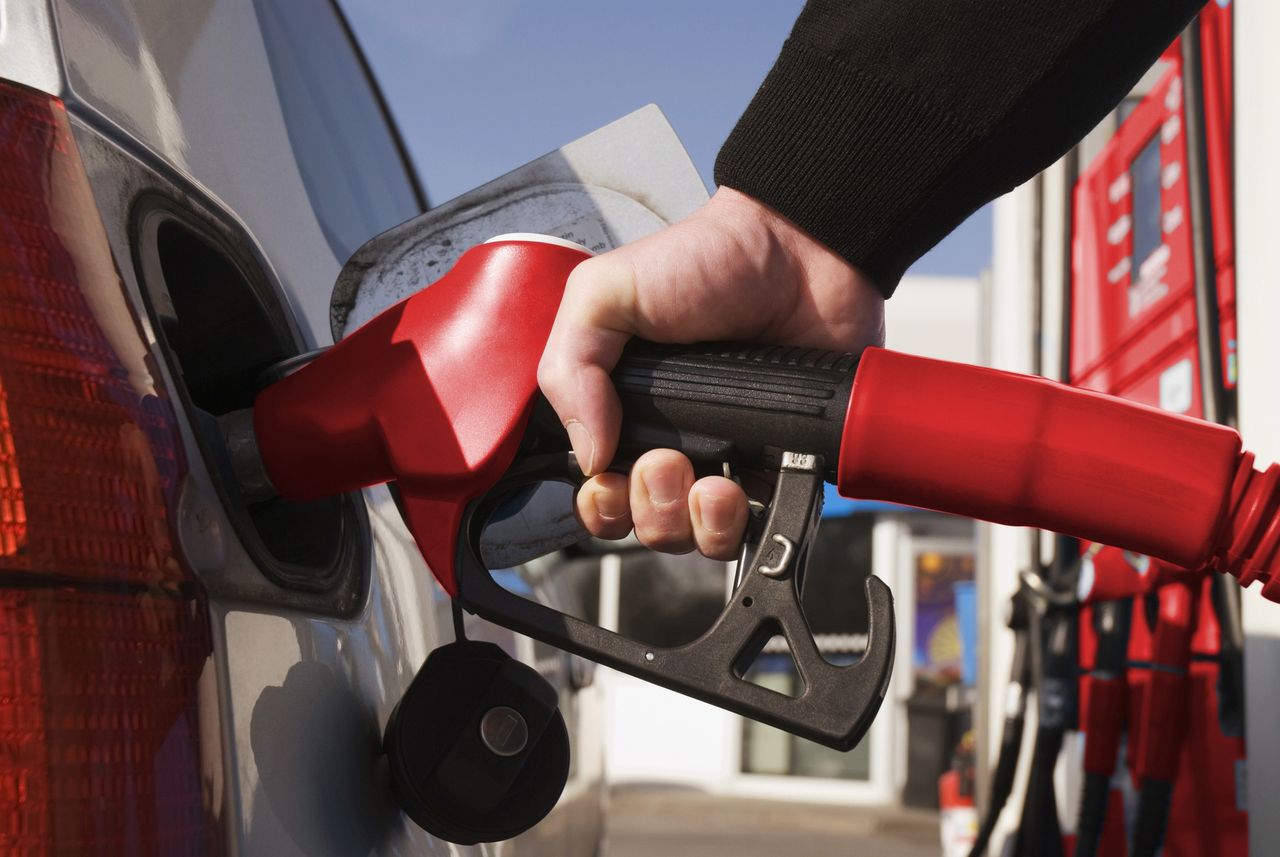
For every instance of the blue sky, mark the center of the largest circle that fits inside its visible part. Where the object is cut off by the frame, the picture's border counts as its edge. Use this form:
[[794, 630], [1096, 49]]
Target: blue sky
[[479, 87]]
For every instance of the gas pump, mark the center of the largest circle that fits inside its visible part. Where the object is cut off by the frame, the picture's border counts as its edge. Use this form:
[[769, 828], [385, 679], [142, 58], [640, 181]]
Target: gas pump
[[1153, 320], [1134, 319]]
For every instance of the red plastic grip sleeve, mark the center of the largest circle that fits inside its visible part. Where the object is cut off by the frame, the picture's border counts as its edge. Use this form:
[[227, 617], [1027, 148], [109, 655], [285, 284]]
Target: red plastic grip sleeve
[[1026, 451]]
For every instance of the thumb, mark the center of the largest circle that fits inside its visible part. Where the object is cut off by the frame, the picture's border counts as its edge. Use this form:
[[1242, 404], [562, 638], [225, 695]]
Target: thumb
[[586, 340]]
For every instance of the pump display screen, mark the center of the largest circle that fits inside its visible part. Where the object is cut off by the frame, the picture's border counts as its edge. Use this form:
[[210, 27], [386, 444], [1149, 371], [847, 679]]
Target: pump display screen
[[1145, 176]]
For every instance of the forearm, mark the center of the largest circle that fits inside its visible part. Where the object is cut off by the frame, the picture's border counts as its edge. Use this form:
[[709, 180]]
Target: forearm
[[884, 123]]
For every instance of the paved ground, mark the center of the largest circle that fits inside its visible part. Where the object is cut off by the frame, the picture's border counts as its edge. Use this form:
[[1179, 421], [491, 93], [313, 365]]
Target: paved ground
[[671, 822]]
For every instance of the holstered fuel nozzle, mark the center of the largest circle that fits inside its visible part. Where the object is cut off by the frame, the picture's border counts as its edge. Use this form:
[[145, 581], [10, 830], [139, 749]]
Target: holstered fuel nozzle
[[437, 392]]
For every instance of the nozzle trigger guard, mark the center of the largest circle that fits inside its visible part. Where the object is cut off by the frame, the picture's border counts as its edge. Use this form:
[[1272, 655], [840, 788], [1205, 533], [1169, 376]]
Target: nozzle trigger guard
[[837, 703]]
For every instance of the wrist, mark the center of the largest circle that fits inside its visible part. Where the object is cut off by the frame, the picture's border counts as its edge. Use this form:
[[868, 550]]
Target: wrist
[[806, 255], [784, 249]]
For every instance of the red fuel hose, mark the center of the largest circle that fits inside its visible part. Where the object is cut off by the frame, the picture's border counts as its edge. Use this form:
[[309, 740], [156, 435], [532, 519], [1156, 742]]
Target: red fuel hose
[[1103, 720], [1163, 716], [1026, 451]]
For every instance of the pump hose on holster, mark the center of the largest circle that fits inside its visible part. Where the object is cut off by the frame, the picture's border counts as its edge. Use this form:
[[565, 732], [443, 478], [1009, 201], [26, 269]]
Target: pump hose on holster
[[1015, 718], [1103, 727], [1053, 638]]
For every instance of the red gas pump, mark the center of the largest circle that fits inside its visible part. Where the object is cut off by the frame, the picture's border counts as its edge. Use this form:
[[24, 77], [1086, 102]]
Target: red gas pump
[[1134, 322], [1153, 320], [1133, 330]]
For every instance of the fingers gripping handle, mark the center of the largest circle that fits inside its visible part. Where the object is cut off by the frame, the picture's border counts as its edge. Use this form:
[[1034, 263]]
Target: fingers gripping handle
[[719, 404], [1026, 451], [837, 703]]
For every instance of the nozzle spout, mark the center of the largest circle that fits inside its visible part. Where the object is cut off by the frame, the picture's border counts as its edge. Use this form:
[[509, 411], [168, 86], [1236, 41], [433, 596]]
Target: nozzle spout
[[246, 459]]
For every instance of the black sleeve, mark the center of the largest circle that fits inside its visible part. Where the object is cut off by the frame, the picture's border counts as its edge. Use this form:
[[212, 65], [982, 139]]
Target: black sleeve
[[884, 123]]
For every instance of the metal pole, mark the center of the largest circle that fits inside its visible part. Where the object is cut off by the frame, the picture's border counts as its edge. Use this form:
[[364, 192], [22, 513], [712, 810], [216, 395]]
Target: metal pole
[[1212, 392]]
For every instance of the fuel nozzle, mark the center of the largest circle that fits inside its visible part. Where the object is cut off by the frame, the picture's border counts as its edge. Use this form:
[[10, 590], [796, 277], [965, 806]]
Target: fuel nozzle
[[241, 440], [1250, 535], [246, 461]]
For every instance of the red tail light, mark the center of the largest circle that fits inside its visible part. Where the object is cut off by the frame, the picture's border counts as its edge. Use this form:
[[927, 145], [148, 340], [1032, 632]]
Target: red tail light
[[13, 512], [103, 633]]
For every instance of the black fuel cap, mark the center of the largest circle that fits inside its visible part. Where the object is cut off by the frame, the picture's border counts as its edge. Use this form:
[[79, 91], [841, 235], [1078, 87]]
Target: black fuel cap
[[478, 749]]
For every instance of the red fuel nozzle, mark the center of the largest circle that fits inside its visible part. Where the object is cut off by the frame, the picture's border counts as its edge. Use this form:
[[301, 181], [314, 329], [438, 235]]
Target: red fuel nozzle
[[437, 391], [433, 393], [1163, 717], [1025, 451], [1107, 573]]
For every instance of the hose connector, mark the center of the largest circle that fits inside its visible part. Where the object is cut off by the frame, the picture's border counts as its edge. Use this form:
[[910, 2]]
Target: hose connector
[[1250, 533]]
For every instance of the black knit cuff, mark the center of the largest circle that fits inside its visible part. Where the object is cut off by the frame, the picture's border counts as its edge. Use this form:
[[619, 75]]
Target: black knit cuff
[[844, 155]]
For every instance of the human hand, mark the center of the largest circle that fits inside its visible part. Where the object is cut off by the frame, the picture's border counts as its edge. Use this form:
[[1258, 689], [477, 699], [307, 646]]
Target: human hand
[[735, 270]]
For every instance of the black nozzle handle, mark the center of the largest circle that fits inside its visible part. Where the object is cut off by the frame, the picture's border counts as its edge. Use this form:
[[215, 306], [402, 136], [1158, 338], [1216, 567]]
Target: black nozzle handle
[[720, 402]]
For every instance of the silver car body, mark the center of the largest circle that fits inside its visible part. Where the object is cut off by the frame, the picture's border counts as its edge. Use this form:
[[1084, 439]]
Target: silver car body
[[180, 98]]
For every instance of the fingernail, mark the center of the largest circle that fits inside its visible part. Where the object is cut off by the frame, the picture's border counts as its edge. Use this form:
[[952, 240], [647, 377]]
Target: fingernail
[[716, 513], [584, 447], [663, 485], [610, 505]]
